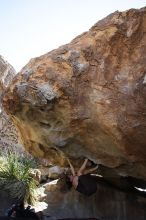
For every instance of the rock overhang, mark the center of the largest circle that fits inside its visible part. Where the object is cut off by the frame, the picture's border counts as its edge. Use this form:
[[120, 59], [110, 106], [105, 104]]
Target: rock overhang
[[87, 98]]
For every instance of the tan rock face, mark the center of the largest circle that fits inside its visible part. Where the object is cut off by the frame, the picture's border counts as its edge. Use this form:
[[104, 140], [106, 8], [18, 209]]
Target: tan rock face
[[87, 98]]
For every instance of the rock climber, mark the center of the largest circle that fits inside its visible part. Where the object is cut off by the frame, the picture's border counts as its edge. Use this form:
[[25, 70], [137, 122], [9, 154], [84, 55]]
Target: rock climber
[[82, 180]]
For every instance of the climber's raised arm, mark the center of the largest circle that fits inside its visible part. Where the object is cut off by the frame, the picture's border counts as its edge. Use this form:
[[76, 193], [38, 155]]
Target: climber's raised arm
[[71, 167], [82, 168], [91, 170]]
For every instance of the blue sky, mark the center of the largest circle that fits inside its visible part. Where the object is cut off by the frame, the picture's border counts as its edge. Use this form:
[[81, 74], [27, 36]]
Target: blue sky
[[30, 28]]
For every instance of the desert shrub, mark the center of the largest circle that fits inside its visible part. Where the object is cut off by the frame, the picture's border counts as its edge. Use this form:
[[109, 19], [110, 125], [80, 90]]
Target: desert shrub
[[15, 178]]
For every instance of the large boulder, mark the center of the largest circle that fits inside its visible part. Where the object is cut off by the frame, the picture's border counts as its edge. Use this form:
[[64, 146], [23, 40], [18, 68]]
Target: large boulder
[[87, 98]]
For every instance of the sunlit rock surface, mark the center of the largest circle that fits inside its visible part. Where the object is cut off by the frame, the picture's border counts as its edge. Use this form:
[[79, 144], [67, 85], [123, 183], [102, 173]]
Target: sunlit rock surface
[[87, 98]]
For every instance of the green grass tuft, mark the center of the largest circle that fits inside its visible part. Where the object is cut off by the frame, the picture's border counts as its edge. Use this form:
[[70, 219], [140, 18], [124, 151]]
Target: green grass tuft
[[15, 178]]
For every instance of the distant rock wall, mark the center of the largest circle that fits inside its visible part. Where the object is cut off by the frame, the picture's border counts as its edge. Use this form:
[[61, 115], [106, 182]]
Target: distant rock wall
[[7, 73], [8, 133], [87, 98]]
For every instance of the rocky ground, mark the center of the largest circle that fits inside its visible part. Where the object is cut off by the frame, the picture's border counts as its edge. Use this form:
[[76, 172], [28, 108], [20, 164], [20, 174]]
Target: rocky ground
[[107, 204]]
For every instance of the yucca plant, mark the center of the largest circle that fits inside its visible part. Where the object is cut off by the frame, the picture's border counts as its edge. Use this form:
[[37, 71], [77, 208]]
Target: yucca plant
[[14, 177]]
